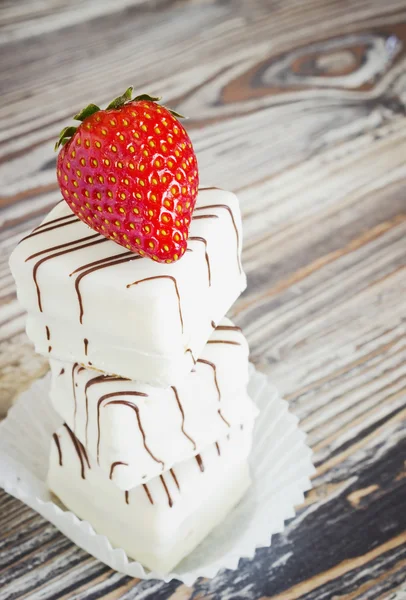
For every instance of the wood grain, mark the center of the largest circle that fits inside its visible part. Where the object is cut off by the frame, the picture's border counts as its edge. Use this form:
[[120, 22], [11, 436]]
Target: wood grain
[[300, 108]]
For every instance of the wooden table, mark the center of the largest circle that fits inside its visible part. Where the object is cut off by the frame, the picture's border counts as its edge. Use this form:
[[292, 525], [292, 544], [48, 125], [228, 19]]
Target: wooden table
[[298, 106]]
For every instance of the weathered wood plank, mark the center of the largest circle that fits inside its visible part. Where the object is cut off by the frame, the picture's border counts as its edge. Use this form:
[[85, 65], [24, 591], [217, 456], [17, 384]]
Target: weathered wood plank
[[300, 108]]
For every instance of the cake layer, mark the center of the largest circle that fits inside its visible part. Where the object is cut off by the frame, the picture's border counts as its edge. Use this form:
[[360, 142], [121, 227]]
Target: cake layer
[[135, 431], [158, 523], [91, 301]]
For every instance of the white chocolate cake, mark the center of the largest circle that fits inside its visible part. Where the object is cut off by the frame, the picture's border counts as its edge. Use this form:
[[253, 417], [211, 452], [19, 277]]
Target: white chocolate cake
[[157, 523], [93, 302], [136, 431]]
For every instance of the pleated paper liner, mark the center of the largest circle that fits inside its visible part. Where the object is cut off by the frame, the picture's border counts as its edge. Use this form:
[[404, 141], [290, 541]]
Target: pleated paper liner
[[281, 467]]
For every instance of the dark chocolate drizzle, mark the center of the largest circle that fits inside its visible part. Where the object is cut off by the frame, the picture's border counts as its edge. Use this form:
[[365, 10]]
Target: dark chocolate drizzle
[[224, 419], [48, 337], [175, 391], [228, 328], [176, 289], [127, 501], [172, 472], [204, 241], [137, 412], [224, 342], [53, 221], [114, 465], [74, 395], [148, 493], [58, 446], [213, 325], [86, 343], [197, 217], [189, 350], [73, 218], [78, 447], [60, 246], [230, 212], [95, 263], [102, 263], [95, 380], [83, 449], [49, 257], [62, 371], [213, 366], [218, 448], [199, 461], [170, 501]]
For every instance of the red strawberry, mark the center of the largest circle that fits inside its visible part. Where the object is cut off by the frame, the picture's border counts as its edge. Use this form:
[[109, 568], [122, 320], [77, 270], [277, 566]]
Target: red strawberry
[[130, 173]]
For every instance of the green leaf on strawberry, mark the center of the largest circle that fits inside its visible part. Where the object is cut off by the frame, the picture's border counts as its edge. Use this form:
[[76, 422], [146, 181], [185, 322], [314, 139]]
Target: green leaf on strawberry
[[130, 172]]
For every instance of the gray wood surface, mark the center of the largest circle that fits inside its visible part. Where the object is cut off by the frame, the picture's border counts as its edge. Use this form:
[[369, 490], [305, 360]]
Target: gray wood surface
[[299, 107]]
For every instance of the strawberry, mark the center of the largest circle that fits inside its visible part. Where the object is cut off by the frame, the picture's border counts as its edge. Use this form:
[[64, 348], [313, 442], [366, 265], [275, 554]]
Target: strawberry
[[130, 173]]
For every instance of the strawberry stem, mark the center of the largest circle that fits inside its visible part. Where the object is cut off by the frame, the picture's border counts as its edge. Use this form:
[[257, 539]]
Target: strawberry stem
[[121, 100], [68, 132], [86, 112]]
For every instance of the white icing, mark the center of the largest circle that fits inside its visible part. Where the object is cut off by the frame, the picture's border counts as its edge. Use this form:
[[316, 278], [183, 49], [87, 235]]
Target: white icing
[[158, 535], [136, 331], [159, 413]]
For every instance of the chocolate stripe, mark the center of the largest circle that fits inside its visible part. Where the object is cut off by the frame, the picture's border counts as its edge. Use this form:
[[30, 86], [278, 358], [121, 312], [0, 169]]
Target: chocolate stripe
[[148, 493], [170, 501], [224, 419], [176, 289], [59, 246], [172, 472], [84, 453], [53, 221], [40, 262], [175, 391], [191, 354], [228, 328], [74, 395], [204, 241], [137, 412], [213, 366], [95, 266], [197, 217], [230, 212], [58, 446], [78, 450], [106, 397], [34, 233], [199, 461], [101, 260], [114, 465], [224, 342], [95, 380]]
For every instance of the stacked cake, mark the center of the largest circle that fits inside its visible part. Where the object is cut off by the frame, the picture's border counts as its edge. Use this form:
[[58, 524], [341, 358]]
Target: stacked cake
[[148, 375]]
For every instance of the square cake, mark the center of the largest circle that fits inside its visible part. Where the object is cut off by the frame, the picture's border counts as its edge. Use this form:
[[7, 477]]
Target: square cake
[[91, 301], [135, 431], [160, 522]]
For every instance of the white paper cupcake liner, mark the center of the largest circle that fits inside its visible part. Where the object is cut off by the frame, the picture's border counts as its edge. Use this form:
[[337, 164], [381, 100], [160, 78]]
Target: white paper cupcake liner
[[281, 467]]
